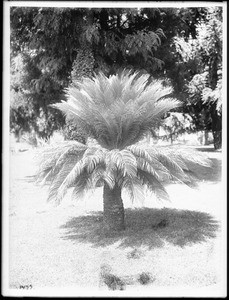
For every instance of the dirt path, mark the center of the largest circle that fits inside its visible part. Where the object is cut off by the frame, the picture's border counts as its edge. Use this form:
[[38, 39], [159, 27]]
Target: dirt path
[[62, 247]]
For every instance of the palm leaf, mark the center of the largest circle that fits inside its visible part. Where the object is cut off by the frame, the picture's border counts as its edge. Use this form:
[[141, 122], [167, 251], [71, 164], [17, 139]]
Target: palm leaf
[[80, 186], [147, 160], [59, 179], [135, 189], [119, 109], [97, 176], [129, 163], [109, 178], [92, 157], [122, 161], [51, 158], [153, 184]]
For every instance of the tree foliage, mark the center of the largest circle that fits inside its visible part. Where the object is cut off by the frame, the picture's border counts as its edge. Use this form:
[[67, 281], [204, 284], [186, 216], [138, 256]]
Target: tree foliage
[[175, 43], [206, 84], [83, 67], [53, 39], [29, 109], [106, 107], [176, 124], [194, 63]]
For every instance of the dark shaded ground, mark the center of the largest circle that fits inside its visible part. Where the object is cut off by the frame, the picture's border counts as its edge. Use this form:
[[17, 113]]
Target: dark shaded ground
[[182, 227]]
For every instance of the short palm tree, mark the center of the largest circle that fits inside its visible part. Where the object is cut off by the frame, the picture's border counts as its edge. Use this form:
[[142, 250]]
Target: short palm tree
[[116, 112]]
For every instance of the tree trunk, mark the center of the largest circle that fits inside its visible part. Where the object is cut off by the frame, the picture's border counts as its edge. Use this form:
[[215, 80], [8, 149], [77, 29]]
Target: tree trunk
[[217, 136], [216, 127], [206, 137], [113, 210], [18, 135], [171, 138], [215, 116]]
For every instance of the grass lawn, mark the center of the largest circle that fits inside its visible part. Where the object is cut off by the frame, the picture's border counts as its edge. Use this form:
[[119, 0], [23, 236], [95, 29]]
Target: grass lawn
[[168, 247]]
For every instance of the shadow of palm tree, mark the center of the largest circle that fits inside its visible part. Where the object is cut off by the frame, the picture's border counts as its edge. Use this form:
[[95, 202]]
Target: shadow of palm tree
[[181, 227]]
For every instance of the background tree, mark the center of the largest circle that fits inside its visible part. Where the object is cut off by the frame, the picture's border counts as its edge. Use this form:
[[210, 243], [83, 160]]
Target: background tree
[[194, 64], [176, 124], [158, 41], [83, 67], [43, 36], [29, 111], [208, 47], [56, 38]]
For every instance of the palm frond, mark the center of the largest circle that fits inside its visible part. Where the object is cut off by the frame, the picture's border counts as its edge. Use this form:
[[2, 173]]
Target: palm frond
[[95, 158], [183, 158], [129, 163], [81, 185], [147, 160], [135, 189], [122, 161], [168, 163], [109, 178], [91, 158], [72, 164], [193, 156], [140, 151], [51, 158], [58, 180], [153, 184], [119, 109], [97, 176]]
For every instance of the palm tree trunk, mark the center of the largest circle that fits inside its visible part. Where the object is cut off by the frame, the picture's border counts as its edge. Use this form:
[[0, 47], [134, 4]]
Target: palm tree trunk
[[113, 210]]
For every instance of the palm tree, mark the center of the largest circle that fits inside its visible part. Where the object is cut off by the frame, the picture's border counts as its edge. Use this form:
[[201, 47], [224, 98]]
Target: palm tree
[[116, 112]]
